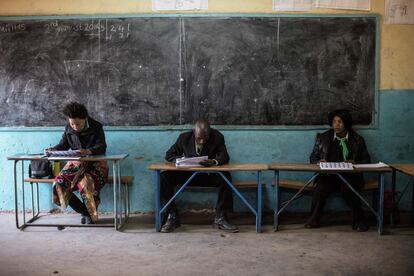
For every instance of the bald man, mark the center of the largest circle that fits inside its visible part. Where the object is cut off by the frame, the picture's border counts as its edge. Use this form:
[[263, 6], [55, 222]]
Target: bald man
[[202, 140]]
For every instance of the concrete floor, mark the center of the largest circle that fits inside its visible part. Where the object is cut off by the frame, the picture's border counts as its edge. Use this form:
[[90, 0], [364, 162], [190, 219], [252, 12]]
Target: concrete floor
[[197, 249]]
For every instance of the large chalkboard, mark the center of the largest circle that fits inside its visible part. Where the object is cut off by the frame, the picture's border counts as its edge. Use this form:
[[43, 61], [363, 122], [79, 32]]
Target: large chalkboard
[[170, 71]]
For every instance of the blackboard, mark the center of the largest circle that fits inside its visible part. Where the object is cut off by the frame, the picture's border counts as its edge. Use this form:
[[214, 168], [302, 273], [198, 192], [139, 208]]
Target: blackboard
[[171, 70]]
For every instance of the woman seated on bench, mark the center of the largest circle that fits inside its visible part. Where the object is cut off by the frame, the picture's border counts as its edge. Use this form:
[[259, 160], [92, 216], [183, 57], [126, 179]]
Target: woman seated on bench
[[339, 144], [86, 135]]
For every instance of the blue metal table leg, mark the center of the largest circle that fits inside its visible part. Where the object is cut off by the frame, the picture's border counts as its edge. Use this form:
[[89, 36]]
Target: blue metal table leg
[[393, 182], [16, 203], [259, 202], [381, 204], [276, 207], [157, 202], [412, 202]]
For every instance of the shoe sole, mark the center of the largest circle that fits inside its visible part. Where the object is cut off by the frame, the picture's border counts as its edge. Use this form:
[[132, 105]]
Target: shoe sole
[[215, 226]]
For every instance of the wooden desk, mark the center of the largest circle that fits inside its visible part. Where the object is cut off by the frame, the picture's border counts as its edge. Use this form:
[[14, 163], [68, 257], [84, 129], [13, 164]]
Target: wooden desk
[[158, 167], [317, 170], [407, 169], [116, 173]]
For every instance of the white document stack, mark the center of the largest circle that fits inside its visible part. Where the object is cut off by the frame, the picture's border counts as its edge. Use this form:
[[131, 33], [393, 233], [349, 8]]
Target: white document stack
[[67, 154], [190, 161], [336, 166]]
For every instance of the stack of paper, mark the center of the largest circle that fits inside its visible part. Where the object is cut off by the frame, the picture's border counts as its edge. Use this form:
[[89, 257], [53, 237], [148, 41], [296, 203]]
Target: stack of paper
[[367, 166], [190, 161], [67, 154], [336, 166]]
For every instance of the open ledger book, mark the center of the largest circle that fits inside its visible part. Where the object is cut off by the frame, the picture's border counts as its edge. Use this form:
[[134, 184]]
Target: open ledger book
[[190, 161]]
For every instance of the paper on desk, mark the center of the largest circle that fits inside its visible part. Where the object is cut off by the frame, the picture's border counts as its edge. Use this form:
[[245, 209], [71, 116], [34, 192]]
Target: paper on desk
[[368, 166], [335, 166], [190, 161]]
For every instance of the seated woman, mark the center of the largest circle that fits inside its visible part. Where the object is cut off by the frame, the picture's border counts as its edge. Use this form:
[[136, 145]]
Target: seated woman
[[85, 134], [340, 143]]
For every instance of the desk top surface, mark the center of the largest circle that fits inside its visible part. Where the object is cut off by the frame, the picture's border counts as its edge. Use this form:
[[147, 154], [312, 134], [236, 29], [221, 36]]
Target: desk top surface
[[227, 167], [315, 168], [109, 157], [404, 168]]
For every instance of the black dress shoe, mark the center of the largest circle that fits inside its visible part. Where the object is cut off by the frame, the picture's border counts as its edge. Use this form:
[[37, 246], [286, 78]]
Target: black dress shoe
[[86, 219], [171, 223], [222, 224], [312, 224], [360, 226]]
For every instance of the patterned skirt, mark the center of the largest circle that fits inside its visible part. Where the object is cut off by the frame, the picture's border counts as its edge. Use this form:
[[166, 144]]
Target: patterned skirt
[[86, 177]]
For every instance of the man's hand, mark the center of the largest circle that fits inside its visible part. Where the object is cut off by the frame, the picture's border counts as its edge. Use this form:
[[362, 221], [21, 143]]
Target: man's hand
[[85, 152], [208, 163]]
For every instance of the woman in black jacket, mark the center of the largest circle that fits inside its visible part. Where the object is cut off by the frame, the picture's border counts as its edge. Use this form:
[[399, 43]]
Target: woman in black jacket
[[86, 135], [339, 144]]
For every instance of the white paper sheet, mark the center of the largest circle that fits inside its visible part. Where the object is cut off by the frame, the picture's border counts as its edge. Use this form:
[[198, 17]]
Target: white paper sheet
[[160, 5], [292, 5], [335, 166], [364, 5], [367, 166], [399, 12]]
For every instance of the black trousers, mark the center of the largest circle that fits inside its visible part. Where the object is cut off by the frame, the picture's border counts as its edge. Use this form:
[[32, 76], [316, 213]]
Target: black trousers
[[170, 179], [328, 184]]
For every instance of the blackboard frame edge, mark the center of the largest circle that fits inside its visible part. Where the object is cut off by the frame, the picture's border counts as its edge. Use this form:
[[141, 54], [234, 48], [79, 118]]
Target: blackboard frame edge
[[375, 116], [152, 15]]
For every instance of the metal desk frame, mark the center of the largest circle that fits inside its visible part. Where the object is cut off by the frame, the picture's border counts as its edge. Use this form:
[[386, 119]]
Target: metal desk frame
[[407, 169], [315, 168], [157, 168], [120, 216]]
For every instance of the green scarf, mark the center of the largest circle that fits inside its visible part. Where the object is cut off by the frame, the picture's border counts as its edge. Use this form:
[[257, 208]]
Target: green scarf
[[344, 147]]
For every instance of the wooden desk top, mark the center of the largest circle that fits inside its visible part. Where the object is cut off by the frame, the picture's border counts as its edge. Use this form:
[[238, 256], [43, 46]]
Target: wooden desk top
[[112, 157], [404, 168], [227, 167], [315, 168]]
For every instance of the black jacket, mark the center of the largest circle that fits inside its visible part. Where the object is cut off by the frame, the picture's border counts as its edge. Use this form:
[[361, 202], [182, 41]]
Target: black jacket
[[215, 147], [356, 147], [92, 138]]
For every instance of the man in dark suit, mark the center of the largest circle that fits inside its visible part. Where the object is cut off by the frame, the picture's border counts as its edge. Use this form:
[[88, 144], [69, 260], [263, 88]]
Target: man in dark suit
[[202, 140]]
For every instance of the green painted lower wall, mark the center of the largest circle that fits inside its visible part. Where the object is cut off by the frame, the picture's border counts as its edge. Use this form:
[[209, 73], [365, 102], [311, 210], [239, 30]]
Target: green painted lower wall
[[392, 141]]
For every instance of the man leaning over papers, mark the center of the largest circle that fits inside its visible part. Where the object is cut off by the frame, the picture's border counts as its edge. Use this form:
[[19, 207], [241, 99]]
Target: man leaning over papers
[[201, 141]]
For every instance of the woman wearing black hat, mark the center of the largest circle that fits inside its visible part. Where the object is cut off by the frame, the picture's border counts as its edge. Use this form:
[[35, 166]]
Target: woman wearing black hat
[[340, 143]]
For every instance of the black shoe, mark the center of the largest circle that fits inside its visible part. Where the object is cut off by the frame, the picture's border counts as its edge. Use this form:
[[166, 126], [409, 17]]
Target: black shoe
[[171, 223], [222, 224], [360, 226], [86, 219], [312, 224]]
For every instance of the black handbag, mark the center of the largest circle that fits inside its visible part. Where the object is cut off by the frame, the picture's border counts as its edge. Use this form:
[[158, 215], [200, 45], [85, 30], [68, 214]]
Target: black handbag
[[40, 169]]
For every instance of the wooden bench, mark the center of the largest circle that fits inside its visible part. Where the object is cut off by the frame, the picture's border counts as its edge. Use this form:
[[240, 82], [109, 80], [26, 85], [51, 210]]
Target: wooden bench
[[237, 184], [289, 184], [125, 182], [285, 184]]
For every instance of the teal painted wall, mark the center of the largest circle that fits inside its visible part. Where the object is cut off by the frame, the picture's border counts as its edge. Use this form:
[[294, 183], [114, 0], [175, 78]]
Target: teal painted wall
[[391, 141]]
